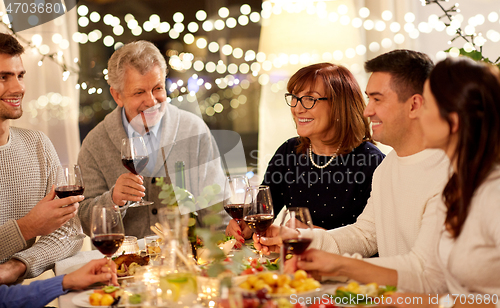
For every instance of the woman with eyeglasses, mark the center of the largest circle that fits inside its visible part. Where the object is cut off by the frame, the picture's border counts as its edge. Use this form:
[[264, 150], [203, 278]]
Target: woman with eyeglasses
[[328, 168]]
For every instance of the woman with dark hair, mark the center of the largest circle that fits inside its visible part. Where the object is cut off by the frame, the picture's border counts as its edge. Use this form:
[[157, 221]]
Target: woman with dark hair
[[460, 115], [328, 168]]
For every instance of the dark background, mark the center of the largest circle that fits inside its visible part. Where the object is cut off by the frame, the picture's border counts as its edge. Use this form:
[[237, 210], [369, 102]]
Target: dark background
[[94, 57]]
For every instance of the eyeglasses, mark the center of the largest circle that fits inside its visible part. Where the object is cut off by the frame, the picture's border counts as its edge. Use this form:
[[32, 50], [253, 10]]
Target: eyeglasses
[[306, 101]]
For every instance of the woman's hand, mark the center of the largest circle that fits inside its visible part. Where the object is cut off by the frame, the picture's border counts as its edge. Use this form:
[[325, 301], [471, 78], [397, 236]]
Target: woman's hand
[[240, 232]]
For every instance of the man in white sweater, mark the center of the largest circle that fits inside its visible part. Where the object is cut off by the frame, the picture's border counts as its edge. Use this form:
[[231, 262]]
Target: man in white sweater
[[399, 218], [28, 167]]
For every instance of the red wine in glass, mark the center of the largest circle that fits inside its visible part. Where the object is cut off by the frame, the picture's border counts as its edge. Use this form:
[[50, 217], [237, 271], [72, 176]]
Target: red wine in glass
[[296, 246], [135, 157], [135, 164], [294, 242], [234, 196], [258, 211], [69, 190], [259, 223], [69, 182], [108, 244], [235, 211]]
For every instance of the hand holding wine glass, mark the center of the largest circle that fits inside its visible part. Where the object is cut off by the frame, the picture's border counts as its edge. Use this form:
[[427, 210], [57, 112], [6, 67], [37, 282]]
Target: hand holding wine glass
[[69, 182], [294, 241], [106, 229], [135, 158], [234, 196], [258, 211], [234, 199]]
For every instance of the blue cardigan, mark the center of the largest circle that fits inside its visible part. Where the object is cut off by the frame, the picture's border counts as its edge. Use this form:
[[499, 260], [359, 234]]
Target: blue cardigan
[[36, 294]]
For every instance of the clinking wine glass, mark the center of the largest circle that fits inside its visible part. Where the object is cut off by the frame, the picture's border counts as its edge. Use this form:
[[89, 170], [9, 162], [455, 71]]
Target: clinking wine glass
[[69, 182], [234, 196], [295, 242], [135, 158], [106, 229], [258, 211]]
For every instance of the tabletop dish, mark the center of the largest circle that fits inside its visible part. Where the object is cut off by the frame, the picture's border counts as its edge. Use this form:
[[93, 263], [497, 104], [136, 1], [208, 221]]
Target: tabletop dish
[[277, 286], [366, 295], [82, 300]]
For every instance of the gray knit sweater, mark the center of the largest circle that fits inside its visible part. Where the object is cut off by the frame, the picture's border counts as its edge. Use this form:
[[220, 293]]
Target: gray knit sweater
[[29, 165]]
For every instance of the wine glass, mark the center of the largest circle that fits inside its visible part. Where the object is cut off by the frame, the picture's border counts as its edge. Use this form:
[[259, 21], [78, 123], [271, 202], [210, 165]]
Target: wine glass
[[69, 182], [106, 229], [295, 242], [135, 158], [234, 196], [258, 210]]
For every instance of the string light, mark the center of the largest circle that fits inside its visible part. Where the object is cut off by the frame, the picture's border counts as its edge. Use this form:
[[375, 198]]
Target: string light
[[473, 42], [258, 64]]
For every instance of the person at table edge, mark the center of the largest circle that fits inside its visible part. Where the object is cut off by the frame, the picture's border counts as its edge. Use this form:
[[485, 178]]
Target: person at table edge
[[137, 73], [29, 164], [399, 218], [39, 293]]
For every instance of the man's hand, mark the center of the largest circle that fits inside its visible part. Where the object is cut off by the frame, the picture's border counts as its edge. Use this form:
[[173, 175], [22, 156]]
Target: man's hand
[[240, 232], [48, 215], [11, 270], [128, 187], [100, 270], [270, 241]]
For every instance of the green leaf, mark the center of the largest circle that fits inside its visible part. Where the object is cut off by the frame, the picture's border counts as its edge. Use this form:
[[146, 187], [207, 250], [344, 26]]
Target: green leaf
[[159, 181], [208, 190], [202, 203], [167, 187], [215, 270], [475, 54], [217, 207], [189, 204], [191, 222], [216, 188], [390, 288], [212, 219], [164, 195], [270, 266]]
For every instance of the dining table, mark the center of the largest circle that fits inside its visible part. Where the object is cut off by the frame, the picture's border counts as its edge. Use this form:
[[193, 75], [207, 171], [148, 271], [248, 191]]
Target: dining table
[[73, 263]]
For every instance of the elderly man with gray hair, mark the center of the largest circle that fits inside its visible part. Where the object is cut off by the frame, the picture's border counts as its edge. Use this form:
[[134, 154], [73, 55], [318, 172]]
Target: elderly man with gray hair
[[136, 75]]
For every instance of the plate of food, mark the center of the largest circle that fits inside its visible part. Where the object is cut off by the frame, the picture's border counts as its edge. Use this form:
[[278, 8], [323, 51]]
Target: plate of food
[[269, 284], [103, 297], [126, 265], [226, 245], [355, 294]]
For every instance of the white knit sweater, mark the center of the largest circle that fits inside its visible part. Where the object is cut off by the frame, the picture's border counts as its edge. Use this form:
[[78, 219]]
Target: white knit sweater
[[28, 169], [399, 218], [473, 263]]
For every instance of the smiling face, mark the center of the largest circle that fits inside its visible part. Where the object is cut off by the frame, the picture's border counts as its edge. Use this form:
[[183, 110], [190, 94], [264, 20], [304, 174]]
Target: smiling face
[[389, 117], [313, 123], [435, 128], [11, 87], [142, 94]]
